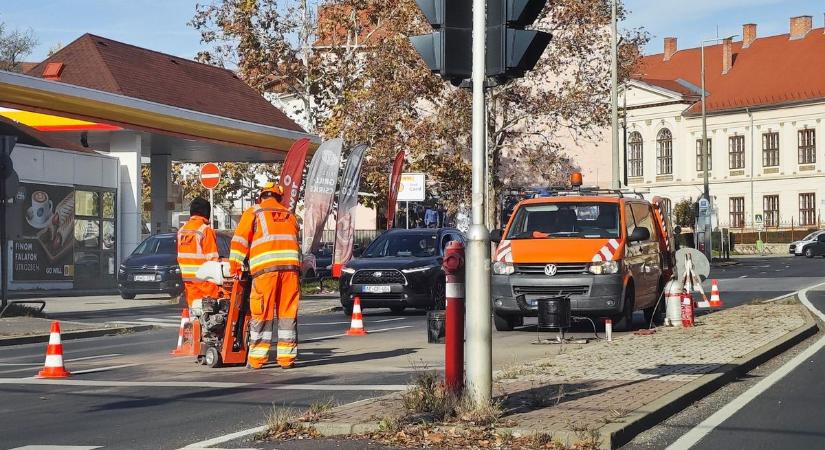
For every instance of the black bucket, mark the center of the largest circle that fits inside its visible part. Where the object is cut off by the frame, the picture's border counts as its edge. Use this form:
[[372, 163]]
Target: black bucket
[[436, 329], [554, 312]]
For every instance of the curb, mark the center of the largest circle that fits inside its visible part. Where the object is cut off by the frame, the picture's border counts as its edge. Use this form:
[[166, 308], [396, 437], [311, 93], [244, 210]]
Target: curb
[[618, 434], [70, 335]]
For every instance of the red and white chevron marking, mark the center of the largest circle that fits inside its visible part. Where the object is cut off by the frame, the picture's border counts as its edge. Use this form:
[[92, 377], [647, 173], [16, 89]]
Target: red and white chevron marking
[[660, 216], [607, 252], [504, 253]]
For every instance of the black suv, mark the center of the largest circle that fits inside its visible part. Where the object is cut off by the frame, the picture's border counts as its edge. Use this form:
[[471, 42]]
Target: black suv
[[152, 268], [400, 268]]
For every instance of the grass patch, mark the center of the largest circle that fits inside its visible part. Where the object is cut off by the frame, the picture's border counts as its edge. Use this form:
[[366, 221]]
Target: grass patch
[[285, 423], [429, 400]]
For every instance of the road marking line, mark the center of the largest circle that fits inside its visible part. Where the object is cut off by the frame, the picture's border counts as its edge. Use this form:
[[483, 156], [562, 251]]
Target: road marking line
[[743, 276], [780, 297], [348, 322], [159, 319], [381, 330], [85, 358], [243, 433], [103, 369], [137, 322], [704, 428], [58, 447], [207, 385]]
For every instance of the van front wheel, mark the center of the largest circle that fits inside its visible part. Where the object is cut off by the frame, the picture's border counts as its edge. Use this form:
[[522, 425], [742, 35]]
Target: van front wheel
[[624, 321], [507, 323]]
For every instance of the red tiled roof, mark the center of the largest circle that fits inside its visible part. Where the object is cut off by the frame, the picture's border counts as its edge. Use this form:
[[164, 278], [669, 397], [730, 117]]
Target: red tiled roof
[[672, 85], [772, 71], [30, 136], [27, 66], [106, 65]]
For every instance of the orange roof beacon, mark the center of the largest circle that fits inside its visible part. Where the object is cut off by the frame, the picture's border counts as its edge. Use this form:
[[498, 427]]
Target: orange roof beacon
[[609, 251]]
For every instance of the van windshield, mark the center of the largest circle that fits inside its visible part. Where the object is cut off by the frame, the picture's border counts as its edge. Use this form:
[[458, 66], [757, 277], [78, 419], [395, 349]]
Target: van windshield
[[566, 220]]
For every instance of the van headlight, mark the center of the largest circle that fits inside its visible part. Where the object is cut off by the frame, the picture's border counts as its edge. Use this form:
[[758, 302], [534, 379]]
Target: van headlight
[[502, 268], [348, 270], [604, 267]]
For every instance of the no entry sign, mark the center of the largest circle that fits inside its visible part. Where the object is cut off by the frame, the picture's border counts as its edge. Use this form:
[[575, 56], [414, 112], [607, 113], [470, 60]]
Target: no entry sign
[[210, 175]]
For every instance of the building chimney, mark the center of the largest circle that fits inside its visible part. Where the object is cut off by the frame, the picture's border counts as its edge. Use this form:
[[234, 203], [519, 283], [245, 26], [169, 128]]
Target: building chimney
[[727, 55], [748, 34], [800, 26], [670, 47]]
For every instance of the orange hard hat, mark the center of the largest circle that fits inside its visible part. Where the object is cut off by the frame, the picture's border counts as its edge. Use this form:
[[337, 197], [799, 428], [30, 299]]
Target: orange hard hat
[[272, 187]]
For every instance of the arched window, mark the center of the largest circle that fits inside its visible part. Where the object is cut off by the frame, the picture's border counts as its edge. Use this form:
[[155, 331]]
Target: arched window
[[664, 152], [634, 155]]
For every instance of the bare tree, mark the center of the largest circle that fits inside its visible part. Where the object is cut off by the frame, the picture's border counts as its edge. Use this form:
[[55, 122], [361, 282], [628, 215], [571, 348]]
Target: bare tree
[[14, 46]]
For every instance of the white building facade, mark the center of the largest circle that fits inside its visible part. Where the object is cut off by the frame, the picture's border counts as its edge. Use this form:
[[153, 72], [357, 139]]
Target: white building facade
[[762, 129]]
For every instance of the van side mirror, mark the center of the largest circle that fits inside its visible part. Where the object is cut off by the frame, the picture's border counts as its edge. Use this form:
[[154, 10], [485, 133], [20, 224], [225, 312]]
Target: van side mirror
[[640, 234], [495, 236]]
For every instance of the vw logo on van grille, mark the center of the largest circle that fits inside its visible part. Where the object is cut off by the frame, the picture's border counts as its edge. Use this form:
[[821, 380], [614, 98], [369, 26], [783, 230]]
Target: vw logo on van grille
[[550, 270], [377, 274]]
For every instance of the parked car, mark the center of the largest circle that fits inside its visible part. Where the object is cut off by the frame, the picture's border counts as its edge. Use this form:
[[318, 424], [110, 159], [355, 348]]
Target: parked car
[[799, 247], [152, 268], [816, 248], [399, 269], [323, 261]]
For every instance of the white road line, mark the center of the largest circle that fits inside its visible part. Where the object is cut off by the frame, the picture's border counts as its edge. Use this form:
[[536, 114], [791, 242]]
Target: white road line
[[159, 319], [58, 447], [240, 434], [103, 369], [780, 297], [381, 330], [743, 276], [206, 385], [701, 430], [158, 324], [85, 358], [348, 322]]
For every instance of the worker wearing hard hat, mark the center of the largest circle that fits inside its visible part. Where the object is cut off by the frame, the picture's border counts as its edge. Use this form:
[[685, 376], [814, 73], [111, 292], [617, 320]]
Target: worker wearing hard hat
[[197, 244], [267, 234]]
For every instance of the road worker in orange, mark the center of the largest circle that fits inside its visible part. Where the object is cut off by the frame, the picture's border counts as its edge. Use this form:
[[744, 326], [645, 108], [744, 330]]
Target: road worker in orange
[[268, 236], [197, 244]]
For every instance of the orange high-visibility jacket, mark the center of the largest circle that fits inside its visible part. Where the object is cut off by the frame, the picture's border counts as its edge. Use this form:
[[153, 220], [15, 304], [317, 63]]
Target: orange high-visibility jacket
[[268, 235], [197, 244]]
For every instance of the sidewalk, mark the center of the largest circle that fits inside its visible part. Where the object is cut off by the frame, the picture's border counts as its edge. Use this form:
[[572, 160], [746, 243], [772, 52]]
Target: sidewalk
[[612, 391]]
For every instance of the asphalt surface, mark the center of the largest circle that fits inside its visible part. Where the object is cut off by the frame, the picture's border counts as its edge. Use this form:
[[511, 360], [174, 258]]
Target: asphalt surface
[[788, 415], [127, 392]]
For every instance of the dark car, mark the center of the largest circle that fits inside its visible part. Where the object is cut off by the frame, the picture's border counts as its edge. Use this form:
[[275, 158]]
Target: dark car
[[323, 261], [817, 248], [152, 268], [399, 269]]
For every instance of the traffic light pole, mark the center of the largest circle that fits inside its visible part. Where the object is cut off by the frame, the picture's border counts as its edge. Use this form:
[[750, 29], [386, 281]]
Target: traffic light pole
[[478, 325]]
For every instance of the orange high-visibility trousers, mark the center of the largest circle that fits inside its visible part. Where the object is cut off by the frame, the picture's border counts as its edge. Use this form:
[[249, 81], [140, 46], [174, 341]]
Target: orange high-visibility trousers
[[197, 290], [274, 292]]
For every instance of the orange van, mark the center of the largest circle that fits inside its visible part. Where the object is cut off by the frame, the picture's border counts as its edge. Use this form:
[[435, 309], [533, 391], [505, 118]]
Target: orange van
[[607, 250]]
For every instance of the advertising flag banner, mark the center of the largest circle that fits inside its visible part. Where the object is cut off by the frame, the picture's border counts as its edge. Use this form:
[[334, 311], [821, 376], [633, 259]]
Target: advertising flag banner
[[347, 203], [322, 178], [293, 172], [395, 181]]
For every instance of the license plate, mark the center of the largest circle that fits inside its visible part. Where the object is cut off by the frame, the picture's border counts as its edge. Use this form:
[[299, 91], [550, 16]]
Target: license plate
[[144, 278], [533, 302], [376, 289]]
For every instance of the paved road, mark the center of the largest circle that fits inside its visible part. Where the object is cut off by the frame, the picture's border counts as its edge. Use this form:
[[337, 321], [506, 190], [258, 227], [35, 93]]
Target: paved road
[[788, 415], [127, 392]]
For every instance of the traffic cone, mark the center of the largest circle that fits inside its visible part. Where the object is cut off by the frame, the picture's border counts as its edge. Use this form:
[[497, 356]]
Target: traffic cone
[[53, 368], [185, 347], [715, 300], [356, 327]]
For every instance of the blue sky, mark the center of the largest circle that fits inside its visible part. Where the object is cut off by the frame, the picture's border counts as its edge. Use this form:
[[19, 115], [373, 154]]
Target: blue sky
[[161, 24]]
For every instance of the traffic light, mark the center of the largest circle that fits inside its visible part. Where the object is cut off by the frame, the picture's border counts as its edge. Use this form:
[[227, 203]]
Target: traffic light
[[448, 50], [512, 50]]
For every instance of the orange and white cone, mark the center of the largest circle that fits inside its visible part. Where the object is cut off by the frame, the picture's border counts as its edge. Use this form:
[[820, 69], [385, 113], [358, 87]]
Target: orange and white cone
[[53, 368], [715, 300], [356, 327], [185, 347]]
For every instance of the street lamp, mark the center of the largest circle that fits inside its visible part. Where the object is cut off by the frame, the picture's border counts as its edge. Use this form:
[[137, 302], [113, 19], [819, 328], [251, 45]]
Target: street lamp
[[707, 216], [614, 91]]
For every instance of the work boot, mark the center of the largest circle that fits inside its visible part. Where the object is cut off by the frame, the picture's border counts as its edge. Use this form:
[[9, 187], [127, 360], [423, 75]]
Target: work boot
[[287, 366]]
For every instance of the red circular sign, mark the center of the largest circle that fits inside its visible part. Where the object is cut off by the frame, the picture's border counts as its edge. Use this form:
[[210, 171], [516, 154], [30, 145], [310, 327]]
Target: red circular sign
[[210, 175]]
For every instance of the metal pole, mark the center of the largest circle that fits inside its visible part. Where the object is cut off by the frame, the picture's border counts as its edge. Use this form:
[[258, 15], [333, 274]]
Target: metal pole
[[211, 207], [408, 215], [614, 92], [753, 163], [479, 326], [704, 129]]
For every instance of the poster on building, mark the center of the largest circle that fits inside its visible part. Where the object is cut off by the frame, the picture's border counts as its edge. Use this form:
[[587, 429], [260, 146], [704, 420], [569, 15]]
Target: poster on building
[[44, 250]]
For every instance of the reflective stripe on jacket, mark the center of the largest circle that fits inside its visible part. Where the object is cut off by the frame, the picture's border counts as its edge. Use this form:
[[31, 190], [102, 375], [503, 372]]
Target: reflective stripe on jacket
[[268, 235], [197, 244]]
